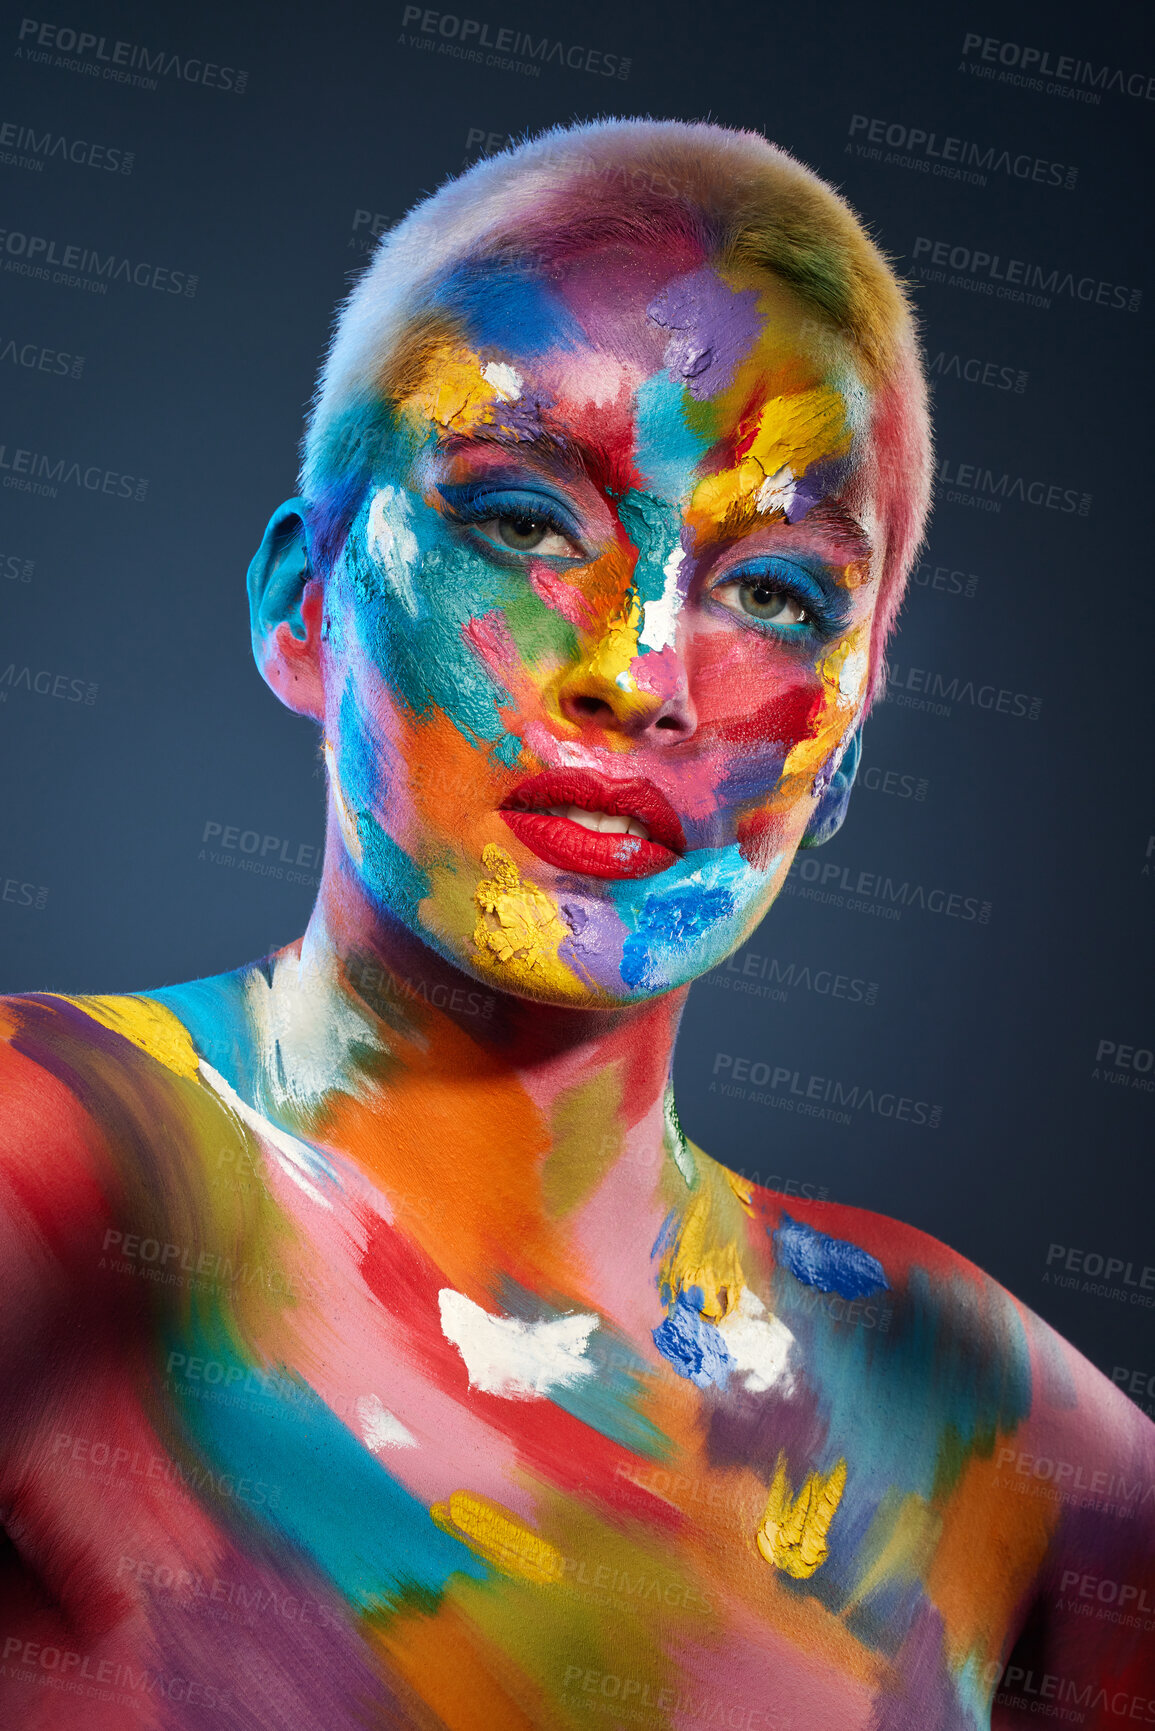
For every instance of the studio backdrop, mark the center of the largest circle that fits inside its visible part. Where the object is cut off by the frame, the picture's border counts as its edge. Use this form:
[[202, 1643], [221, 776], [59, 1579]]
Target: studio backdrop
[[947, 1016]]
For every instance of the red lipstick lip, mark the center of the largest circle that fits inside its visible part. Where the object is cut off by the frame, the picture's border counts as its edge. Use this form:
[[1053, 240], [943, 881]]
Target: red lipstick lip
[[565, 844]]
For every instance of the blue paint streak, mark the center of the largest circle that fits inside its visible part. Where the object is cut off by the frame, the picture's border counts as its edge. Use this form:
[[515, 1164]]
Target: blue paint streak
[[830, 1264], [512, 309], [692, 1344], [671, 922], [402, 880], [655, 528]]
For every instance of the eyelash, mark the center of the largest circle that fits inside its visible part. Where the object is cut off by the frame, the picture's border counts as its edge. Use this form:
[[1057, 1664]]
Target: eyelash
[[476, 505], [823, 618], [471, 505]]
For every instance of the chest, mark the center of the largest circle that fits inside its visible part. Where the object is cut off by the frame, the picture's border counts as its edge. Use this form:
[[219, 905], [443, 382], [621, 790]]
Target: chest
[[538, 1508]]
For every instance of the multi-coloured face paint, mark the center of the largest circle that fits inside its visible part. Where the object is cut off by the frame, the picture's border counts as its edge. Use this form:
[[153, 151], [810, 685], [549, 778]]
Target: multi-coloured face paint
[[606, 608]]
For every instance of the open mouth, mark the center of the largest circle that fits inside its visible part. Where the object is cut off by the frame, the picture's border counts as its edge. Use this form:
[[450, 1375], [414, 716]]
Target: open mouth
[[582, 822]]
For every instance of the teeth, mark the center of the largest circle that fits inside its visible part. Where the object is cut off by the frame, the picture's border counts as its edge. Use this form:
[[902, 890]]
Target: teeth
[[601, 821]]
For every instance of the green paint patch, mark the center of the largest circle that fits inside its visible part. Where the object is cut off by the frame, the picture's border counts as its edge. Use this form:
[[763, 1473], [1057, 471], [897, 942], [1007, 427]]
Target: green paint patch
[[583, 1148]]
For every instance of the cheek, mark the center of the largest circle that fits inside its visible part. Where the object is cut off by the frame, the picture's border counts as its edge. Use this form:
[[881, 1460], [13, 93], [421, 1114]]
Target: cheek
[[753, 708]]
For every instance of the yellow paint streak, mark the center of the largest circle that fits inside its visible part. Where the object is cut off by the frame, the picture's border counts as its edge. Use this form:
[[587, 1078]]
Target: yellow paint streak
[[519, 929], [616, 650], [499, 1537], [149, 1026], [582, 1149], [453, 391], [843, 675], [742, 1188], [794, 1528], [793, 432], [705, 1253], [899, 1544]]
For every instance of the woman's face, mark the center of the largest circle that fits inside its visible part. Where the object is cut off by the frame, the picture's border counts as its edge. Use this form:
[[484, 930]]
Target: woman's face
[[598, 638]]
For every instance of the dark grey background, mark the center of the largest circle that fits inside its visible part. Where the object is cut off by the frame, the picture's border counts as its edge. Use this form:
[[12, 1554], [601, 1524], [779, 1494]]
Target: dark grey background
[[150, 723]]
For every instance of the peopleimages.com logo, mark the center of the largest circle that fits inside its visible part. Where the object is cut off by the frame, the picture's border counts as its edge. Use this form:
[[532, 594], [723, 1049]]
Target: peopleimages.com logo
[[36, 255], [36, 472], [1055, 74], [119, 62], [987, 489], [466, 38], [1016, 279], [26, 147], [944, 155]]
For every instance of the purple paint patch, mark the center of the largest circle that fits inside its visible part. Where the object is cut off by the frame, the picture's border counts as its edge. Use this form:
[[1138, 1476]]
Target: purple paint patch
[[711, 329], [594, 946], [922, 1692], [749, 1429], [820, 481], [267, 1641]]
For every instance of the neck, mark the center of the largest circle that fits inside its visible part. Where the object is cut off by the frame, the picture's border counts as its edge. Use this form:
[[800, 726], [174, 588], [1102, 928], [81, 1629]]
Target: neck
[[508, 1113]]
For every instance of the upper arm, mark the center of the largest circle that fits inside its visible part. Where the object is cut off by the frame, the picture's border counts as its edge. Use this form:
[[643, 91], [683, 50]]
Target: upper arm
[[53, 1206], [1086, 1653]]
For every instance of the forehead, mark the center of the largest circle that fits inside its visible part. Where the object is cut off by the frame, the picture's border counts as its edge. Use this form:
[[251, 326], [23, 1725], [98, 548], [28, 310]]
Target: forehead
[[648, 308], [641, 368]]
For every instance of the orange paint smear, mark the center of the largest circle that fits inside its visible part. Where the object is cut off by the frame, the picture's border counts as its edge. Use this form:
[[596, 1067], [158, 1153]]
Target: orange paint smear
[[439, 1658], [992, 1546], [457, 1145]]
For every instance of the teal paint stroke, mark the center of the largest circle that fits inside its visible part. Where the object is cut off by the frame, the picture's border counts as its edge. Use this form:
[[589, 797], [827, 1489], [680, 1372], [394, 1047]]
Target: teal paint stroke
[[317, 1484], [667, 450]]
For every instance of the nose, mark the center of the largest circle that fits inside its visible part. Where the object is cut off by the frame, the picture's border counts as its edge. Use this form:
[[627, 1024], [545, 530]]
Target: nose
[[641, 696]]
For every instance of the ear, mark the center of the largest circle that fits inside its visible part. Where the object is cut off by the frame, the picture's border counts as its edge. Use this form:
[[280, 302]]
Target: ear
[[285, 612], [826, 819]]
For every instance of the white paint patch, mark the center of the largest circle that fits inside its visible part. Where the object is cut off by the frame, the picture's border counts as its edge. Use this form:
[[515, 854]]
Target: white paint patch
[[777, 491], [506, 381], [852, 675], [392, 544], [660, 617], [305, 1030], [520, 1360], [758, 1344], [349, 828], [380, 1429], [296, 1159]]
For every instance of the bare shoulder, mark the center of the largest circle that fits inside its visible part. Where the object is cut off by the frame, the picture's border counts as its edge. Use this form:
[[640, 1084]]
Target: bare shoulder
[[850, 1256], [100, 1105]]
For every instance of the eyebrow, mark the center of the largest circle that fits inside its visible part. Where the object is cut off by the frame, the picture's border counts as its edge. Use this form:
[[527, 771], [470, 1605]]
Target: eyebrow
[[831, 514], [579, 461], [571, 458]]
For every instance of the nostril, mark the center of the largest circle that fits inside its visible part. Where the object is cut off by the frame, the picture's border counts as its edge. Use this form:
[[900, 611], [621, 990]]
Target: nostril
[[593, 707], [668, 721]]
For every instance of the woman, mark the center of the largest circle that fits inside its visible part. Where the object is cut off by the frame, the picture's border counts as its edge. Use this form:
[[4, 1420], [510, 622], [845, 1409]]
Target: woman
[[380, 1353]]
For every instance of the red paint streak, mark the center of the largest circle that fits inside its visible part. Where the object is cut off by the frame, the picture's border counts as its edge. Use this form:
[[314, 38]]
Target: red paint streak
[[785, 718], [564, 598]]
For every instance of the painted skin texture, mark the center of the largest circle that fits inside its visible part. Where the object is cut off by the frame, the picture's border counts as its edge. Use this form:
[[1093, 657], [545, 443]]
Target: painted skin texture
[[377, 1350]]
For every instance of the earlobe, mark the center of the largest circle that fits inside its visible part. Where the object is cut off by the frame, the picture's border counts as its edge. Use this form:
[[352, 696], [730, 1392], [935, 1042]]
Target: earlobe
[[285, 611], [830, 811]]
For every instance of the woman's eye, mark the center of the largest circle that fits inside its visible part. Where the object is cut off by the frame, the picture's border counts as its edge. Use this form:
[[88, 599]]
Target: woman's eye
[[523, 533], [764, 599]]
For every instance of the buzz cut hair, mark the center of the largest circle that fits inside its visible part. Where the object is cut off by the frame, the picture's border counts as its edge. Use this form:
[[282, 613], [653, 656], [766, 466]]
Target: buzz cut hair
[[730, 197]]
